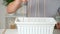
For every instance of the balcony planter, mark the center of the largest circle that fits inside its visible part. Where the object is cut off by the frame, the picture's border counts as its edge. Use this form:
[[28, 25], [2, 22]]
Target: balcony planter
[[33, 25]]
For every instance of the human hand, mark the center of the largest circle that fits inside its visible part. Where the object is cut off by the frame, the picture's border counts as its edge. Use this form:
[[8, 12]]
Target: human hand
[[57, 26]]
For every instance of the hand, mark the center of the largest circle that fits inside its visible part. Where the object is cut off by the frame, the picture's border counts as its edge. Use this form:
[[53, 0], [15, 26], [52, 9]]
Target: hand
[[13, 6], [57, 25]]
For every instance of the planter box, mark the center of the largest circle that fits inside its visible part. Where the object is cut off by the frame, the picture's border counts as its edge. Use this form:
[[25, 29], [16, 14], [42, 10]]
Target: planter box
[[33, 25]]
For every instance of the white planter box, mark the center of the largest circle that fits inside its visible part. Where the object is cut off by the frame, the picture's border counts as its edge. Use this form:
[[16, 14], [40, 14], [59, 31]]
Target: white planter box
[[33, 25]]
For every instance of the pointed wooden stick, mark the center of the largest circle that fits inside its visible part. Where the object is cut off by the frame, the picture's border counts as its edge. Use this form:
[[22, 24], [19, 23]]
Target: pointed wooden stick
[[4, 31], [44, 8]]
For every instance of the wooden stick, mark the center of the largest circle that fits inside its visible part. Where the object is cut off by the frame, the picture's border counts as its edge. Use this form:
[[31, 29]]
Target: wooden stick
[[38, 13], [4, 31], [44, 8]]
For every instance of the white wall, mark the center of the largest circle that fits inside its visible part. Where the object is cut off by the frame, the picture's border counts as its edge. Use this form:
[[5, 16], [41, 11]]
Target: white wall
[[51, 7]]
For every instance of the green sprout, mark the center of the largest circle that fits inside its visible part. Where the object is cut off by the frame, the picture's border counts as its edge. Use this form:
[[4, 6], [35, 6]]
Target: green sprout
[[6, 2]]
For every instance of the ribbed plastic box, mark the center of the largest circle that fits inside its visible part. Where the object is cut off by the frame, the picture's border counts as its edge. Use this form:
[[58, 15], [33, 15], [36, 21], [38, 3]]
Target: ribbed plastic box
[[35, 25]]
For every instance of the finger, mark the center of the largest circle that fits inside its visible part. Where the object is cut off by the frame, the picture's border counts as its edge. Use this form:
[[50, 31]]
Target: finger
[[24, 0]]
